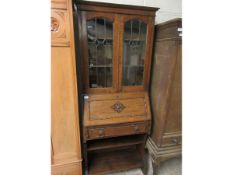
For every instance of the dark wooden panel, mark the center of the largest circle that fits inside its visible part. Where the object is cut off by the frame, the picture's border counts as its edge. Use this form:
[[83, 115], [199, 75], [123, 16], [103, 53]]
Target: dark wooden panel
[[116, 8], [174, 115], [165, 91], [107, 162], [168, 30], [115, 142], [161, 84]]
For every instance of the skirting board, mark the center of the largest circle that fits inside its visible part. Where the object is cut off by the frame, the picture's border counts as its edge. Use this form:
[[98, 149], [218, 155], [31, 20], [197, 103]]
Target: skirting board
[[159, 154], [73, 168]]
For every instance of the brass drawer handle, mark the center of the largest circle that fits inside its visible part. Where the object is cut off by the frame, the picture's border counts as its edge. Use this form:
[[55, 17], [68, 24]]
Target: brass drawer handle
[[136, 129], [101, 133], [174, 141]]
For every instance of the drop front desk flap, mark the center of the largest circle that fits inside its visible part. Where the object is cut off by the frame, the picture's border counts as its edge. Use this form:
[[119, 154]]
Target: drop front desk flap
[[116, 115]]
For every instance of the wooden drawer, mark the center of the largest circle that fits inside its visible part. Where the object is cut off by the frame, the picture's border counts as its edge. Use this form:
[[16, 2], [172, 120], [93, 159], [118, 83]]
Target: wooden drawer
[[171, 141], [60, 29], [113, 131]]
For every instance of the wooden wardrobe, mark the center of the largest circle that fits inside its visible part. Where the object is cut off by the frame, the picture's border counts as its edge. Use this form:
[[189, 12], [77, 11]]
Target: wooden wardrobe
[[66, 156], [165, 92]]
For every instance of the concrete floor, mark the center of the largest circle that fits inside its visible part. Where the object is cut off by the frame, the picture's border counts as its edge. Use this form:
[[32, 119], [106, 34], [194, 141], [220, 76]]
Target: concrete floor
[[169, 167]]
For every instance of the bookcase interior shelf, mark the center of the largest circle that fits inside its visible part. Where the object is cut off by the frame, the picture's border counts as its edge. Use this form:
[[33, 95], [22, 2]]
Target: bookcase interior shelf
[[115, 142]]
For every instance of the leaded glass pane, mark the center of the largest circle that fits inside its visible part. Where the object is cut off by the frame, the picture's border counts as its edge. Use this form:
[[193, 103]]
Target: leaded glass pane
[[134, 50], [100, 43]]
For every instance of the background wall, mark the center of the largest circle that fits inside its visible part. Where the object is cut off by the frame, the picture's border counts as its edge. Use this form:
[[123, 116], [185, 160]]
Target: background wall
[[169, 9]]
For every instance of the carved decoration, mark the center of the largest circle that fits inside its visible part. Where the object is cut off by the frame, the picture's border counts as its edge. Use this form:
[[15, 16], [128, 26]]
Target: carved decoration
[[118, 107], [60, 28], [54, 24]]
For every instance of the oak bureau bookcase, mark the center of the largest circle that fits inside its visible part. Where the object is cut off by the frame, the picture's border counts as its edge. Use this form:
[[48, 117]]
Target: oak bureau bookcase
[[115, 43]]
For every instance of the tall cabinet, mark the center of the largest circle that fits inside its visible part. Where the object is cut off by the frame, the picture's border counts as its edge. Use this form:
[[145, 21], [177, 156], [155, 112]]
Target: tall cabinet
[[165, 92], [65, 135], [116, 48]]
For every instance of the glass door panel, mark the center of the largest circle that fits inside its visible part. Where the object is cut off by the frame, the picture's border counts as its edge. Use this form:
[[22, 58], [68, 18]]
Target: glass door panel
[[100, 52], [133, 52]]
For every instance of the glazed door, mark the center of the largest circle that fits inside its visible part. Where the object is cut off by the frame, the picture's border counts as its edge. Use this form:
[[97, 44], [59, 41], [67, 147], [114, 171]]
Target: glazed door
[[136, 35], [100, 31]]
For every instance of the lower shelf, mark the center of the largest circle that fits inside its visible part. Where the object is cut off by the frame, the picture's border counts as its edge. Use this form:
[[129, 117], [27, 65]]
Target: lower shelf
[[113, 161], [115, 142]]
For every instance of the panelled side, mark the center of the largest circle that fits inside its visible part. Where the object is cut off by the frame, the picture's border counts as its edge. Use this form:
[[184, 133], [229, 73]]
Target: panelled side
[[65, 132]]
